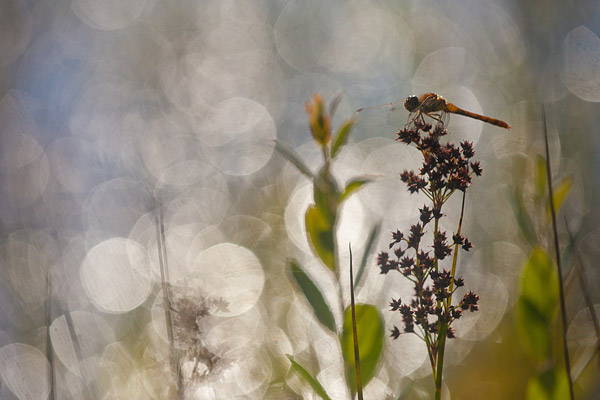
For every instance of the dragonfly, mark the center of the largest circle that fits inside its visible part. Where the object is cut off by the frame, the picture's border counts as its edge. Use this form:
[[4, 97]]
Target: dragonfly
[[427, 105]]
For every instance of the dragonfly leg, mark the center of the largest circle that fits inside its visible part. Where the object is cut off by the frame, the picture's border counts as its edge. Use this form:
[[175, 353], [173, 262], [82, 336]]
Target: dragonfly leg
[[412, 118], [437, 117], [440, 118]]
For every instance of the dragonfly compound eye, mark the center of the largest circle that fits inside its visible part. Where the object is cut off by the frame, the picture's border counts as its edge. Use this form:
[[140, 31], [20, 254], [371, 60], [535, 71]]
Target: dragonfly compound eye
[[411, 103]]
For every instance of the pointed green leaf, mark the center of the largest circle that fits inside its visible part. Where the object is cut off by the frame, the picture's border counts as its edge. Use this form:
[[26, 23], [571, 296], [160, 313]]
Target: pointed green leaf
[[312, 381], [537, 304], [313, 295], [523, 218], [539, 283], [294, 158], [353, 185], [371, 336], [552, 384], [321, 236], [560, 193], [534, 330], [341, 137], [368, 248]]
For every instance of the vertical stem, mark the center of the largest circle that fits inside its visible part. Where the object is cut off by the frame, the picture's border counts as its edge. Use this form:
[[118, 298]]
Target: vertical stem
[[440, 359], [49, 349], [582, 277], [87, 390], [455, 255], [444, 323], [435, 233], [164, 280], [424, 325], [354, 331], [558, 261]]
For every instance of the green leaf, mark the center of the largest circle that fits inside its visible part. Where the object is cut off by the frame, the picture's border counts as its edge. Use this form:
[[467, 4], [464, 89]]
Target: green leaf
[[371, 336], [552, 384], [353, 185], [523, 218], [312, 381], [326, 192], [368, 248], [537, 304], [539, 283], [534, 330], [321, 235], [313, 295], [294, 158], [341, 137], [560, 193]]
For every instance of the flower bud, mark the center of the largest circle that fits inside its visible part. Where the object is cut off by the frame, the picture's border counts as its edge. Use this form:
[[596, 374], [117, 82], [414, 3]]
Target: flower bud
[[319, 120]]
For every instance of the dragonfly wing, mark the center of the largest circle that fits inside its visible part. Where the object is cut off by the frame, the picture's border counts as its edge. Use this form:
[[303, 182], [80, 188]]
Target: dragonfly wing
[[390, 114], [445, 117]]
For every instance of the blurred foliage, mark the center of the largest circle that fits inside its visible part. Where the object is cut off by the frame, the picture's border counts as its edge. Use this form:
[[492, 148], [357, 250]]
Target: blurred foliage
[[314, 297], [112, 111], [541, 289], [321, 219], [537, 305], [371, 335], [309, 378]]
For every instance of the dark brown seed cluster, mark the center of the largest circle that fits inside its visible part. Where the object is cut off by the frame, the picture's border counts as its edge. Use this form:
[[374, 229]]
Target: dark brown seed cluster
[[446, 168]]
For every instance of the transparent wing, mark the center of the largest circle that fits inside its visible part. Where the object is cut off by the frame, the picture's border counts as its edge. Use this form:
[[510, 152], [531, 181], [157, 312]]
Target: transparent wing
[[382, 120], [445, 119], [389, 113]]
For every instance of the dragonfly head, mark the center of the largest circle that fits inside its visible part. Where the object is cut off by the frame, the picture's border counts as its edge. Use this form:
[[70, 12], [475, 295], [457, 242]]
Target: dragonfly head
[[411, 103]]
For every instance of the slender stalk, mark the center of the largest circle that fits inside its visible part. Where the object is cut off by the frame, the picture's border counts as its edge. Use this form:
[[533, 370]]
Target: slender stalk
[[164, 280], [581, 275], [435, 234], [440, 359], [558, 261], [455, 255], [87, 391], [49, 350], [443, 330], [354, 331], [428, 340]]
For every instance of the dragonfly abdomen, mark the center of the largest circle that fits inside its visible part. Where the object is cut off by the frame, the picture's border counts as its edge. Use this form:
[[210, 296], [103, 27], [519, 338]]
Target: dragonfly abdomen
[[456, 110]]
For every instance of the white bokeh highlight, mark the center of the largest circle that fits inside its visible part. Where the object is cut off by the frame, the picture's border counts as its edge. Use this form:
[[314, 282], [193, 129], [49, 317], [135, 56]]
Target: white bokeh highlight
[[26, 371], [231, 273], [116, 275]]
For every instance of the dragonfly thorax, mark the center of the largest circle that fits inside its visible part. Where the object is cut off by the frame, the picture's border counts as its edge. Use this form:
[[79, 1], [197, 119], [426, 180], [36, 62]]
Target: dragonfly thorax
[[427, 103]]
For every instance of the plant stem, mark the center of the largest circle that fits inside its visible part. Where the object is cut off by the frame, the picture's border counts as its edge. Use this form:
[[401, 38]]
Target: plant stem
[[49, 348], [354, 331], [582, 277], [444, 323], [423, 324], [164, 279], [440, 359], [455, 255], [557, 253]]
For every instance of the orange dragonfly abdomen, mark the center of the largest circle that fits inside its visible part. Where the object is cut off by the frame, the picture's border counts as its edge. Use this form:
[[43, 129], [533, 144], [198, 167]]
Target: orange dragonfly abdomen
[[451, 108]]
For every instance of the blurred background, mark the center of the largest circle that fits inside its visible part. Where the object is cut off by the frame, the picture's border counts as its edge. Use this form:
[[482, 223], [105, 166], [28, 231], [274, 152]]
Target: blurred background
[[137, 153]]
